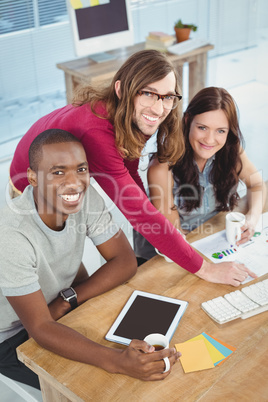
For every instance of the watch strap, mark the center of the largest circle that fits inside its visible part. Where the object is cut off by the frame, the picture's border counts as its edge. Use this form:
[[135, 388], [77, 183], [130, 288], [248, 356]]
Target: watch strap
[[73, 302]]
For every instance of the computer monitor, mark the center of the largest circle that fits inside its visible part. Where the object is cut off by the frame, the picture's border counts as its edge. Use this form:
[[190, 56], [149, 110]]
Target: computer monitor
[[100, 28]]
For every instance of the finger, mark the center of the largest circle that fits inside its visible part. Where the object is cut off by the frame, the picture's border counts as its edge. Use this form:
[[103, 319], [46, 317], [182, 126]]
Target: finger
[[241, 241], [247, 232], [240, 277], [169, 362], [243, 268], [244, 227], [251, 273], [141, 345], [246, 236], [235, 283], [158, 359], [165, 353]]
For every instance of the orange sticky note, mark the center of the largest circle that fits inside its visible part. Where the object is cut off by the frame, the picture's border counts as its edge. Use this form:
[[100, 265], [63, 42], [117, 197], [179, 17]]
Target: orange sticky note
[[194, 356], [232, 348]]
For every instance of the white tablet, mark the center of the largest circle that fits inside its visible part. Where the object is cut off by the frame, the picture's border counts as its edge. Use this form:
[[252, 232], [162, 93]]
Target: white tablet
[[146, 313]]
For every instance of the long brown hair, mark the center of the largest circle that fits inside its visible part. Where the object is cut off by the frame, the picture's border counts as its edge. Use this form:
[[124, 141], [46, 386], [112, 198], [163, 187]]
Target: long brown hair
[[227, 165], [139, 70]]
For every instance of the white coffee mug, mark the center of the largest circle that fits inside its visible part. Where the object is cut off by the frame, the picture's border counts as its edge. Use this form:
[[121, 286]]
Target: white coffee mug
[[162, 255], [234, 222], [159, 341]]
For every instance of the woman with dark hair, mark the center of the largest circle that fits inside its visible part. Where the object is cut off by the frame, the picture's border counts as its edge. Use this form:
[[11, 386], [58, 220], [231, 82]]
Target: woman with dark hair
[[205, 180]]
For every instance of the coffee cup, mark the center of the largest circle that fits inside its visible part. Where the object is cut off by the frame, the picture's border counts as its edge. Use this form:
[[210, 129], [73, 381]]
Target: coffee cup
[[162, 255], [159, 342], [234, 222]]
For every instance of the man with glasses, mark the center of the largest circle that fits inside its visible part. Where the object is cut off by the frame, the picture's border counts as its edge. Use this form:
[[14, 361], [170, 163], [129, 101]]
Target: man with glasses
[[113, 123]]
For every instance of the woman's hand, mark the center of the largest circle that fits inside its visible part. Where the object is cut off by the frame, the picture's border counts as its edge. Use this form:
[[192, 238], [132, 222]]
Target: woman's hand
[[247, 230]]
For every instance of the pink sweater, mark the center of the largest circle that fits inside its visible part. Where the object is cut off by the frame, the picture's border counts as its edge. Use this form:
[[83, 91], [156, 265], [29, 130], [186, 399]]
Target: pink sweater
[[118, 177]]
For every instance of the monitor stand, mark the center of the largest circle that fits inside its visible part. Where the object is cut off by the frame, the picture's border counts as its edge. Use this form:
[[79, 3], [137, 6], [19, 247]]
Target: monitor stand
[[102, 57]]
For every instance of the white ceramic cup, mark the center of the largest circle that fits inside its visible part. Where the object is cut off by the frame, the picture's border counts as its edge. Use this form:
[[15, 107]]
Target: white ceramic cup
[[162, 255], [158, 341], [234, 221]]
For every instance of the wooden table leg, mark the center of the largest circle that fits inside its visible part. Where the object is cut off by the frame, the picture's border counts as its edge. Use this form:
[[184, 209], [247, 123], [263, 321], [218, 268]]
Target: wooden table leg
[[180, 73], [197, 75], [49, 393], [69, 87]]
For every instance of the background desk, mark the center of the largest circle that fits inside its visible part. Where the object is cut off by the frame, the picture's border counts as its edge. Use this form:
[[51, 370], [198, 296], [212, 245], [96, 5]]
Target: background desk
[[243, 377], [85, 70]]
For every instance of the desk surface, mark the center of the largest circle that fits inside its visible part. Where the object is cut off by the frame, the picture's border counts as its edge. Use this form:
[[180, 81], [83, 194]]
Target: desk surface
[[85, 70], [242, 377], [88, 69]]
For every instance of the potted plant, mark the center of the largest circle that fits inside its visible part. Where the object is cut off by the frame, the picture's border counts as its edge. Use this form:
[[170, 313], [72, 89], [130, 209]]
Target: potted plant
[[183, 30]]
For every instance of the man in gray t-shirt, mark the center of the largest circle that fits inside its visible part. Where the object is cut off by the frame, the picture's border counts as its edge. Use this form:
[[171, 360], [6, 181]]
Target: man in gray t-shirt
[[42, 236]]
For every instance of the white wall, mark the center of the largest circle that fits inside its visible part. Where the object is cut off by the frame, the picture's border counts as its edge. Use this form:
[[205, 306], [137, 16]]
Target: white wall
[[28, 58]]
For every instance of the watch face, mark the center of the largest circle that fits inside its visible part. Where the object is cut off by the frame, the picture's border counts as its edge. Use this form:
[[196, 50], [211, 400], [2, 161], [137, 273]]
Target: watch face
[[68, 292]]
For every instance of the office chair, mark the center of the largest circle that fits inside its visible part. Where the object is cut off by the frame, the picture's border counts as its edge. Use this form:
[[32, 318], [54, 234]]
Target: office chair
[[26, 392]]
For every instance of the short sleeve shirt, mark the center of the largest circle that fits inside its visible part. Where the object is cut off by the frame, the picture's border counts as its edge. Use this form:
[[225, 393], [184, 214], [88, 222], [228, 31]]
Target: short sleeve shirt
[[35, 257]]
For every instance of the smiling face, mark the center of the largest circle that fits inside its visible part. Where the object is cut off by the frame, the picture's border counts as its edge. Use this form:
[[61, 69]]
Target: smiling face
[[148, 119], [60, 182], [208, 134]]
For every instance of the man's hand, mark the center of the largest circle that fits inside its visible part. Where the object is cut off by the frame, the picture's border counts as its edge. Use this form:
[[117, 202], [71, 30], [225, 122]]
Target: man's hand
[[139, 360], [228, 273]]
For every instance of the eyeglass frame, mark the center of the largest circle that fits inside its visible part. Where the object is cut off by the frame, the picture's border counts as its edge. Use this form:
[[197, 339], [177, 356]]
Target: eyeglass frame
[[142, 91]]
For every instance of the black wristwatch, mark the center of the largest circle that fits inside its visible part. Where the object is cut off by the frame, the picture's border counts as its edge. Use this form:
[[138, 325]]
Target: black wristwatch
[[70, 296]]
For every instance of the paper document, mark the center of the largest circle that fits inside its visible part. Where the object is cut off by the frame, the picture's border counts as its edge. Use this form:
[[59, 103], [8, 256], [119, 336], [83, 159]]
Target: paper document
[[254, 253]]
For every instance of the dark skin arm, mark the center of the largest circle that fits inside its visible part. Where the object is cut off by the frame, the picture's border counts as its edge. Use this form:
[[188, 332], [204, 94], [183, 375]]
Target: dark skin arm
[[137, 360], [121, 265]]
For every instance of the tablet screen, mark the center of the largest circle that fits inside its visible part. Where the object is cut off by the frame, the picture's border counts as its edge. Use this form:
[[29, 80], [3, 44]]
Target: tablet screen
[[146, 313]]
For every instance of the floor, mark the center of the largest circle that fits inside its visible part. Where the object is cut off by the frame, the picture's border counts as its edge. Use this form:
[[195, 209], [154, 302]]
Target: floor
[[244, 75]]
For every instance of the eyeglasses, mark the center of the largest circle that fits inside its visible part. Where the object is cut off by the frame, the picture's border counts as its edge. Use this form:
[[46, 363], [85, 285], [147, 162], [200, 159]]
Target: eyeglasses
[[148, 99]]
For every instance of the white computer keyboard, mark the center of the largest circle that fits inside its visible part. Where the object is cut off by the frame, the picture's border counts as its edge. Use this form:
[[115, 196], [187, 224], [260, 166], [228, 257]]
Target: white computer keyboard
[[244, 303], [187, 45]]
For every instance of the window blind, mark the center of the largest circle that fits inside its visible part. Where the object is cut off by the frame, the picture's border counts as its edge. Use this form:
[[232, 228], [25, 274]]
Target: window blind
[[34, 36]]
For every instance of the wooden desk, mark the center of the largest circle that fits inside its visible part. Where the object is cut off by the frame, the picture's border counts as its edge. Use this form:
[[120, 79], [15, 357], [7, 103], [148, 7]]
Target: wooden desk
[[243, 377], [85, 71]]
